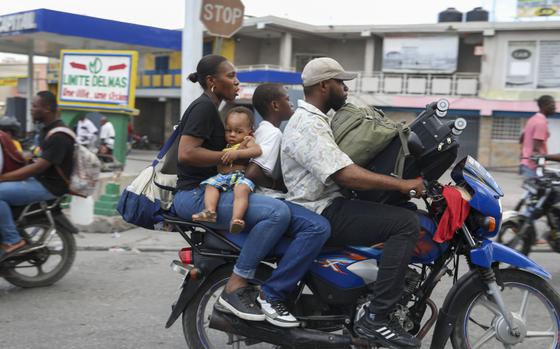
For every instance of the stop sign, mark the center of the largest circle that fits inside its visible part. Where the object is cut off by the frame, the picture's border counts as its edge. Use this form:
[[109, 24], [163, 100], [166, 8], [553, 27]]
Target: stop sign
[[222, 17]]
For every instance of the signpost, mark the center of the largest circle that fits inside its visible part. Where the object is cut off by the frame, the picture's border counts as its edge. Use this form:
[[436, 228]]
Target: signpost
[[105, 79], [538, 8], [99, 81], [222, 18]]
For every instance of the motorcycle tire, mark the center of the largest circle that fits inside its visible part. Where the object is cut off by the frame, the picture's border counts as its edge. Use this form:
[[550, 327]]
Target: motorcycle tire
[[67, 255], [193, 316], [524, 245], [508, 279]]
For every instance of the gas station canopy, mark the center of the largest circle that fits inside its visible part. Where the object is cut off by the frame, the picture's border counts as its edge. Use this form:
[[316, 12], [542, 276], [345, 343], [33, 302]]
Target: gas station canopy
[[45, 32]]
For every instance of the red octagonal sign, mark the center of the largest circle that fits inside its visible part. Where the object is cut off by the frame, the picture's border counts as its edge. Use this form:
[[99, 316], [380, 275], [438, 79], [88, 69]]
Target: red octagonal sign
[[222, 17]]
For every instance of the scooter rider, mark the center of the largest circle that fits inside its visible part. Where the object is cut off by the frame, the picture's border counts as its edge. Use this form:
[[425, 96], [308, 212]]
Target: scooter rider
[[315, 170]]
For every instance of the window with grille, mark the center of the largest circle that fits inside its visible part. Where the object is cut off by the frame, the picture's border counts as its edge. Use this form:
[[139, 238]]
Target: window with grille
[[162, 64], [506, 128]]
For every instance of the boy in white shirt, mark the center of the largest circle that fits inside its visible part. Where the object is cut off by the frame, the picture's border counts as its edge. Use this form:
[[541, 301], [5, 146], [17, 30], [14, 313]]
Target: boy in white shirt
[[308, 230]]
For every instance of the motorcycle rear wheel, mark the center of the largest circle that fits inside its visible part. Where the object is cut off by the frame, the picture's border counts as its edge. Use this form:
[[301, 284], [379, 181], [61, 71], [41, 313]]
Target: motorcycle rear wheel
[[528, 297], [197, 315], [30, 269]]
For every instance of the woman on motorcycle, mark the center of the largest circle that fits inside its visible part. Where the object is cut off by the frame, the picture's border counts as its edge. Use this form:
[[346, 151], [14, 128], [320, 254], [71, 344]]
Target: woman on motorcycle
[[200, 151]]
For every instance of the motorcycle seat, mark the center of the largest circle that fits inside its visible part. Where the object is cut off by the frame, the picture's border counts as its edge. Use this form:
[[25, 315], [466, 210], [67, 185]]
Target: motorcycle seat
[[212, 242]]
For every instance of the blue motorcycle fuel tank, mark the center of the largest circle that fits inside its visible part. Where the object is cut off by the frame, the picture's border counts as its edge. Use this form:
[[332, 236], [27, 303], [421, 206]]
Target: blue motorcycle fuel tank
[[356, 266]]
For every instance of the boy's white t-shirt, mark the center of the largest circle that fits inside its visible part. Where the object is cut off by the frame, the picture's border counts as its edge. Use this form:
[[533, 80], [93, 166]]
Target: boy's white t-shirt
[[269, 138]]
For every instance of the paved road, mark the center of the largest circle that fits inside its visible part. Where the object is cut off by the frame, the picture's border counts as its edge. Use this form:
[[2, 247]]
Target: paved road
[[122, 299], [115, 300]]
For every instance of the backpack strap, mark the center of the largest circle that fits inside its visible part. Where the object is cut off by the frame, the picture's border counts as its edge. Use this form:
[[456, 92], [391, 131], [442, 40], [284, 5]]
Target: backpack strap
[[61, 129], [72, 135], [168, 144], [404, 152]]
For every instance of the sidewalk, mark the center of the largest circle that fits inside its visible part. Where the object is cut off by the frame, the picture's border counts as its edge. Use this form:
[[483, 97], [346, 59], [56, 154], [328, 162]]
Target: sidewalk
[[135, 240]]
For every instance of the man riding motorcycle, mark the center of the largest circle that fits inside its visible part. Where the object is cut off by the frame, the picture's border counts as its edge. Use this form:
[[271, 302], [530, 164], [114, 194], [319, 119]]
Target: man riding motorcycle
[[315, 172], [40, 180]]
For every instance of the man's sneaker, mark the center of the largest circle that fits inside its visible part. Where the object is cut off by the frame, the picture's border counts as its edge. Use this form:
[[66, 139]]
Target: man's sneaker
[[385, 332], [241, 302], [277, 313]]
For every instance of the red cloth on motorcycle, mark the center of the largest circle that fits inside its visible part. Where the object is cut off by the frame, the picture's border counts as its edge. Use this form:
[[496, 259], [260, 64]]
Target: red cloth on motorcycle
[[13, 159], [454, 216]]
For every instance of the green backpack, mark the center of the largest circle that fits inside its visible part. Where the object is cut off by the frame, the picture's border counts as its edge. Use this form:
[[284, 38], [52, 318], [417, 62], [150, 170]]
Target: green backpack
[[363, 132]]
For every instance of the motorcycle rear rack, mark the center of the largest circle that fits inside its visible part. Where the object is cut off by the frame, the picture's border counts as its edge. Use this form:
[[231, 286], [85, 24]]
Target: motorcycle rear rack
[[184, 227]]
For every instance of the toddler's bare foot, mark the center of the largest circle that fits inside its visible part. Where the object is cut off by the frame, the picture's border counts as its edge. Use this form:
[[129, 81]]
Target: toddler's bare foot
[[237, 226]]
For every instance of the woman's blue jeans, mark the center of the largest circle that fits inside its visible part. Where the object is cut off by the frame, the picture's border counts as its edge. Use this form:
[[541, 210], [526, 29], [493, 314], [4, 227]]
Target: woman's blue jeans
[[266, 220]]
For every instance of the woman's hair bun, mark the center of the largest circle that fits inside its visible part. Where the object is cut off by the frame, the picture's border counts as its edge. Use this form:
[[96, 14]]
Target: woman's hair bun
[[193, 77]]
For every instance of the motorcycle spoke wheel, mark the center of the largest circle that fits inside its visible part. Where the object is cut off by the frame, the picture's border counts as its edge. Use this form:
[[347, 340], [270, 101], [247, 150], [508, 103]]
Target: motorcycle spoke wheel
[[49, 257], [218, 339], [539, 319]]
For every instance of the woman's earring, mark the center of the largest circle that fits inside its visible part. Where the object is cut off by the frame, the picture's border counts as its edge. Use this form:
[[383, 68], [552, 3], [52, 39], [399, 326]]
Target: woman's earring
[[212, 88]]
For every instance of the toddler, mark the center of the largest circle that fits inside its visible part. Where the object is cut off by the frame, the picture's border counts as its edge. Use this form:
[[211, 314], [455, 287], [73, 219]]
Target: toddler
[[240, 149]]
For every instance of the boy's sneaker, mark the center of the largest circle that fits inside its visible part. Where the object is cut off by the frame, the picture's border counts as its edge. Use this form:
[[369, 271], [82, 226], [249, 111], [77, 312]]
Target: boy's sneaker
[[241, 302], [277, 313], [386, 332]]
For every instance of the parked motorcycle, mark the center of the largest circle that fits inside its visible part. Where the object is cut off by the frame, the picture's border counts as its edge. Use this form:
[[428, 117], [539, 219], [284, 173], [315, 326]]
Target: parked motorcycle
[[140, 142], [51, 247], [488, 305], [540, 200]]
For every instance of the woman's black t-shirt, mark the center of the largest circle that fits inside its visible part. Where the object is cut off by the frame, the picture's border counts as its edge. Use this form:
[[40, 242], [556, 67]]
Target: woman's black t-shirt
[[201, 120]]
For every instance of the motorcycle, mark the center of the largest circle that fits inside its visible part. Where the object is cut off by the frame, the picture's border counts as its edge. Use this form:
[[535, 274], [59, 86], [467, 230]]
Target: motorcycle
[[487, 305], [540, 200], [50, 250], [477, 309]]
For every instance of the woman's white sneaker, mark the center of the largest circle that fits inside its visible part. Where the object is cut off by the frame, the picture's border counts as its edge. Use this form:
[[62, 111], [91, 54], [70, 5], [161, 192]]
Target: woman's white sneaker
[[277, 313]]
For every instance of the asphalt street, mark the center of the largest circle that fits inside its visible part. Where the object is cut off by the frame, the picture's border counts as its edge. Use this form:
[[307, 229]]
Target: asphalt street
[[118, 300]]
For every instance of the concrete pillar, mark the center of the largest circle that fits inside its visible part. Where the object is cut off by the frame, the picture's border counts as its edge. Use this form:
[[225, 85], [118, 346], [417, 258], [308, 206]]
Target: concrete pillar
[[191, 51], [168, 122], [369, 55], [30, 76], [286, 51]]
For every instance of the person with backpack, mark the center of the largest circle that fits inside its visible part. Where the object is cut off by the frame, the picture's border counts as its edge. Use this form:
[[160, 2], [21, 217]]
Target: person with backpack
[[40, 180], [316, 170]]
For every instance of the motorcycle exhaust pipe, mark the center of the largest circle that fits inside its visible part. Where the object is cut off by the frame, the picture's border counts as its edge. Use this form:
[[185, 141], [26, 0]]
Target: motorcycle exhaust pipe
[[296, 338]]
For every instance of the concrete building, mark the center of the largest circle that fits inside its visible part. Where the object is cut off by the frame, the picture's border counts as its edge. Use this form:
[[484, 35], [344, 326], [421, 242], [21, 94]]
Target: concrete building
[[490, 72]]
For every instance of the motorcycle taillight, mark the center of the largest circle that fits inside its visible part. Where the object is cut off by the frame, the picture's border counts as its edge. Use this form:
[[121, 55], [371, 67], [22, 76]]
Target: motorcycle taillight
[[185, 255]]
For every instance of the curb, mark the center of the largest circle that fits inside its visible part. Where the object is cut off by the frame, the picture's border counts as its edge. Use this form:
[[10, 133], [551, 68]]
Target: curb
[[118, 249]]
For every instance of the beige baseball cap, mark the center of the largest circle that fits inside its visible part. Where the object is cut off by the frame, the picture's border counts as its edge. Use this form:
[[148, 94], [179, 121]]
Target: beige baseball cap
[[324, 68]]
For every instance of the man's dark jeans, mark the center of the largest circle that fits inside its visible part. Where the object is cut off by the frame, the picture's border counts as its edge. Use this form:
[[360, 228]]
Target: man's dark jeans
[[364, 223], [309, 232]]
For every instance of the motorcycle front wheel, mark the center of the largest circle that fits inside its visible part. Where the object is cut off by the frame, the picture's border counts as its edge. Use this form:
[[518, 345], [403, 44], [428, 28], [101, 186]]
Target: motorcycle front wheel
[[533, 303], [50, 256], [509, 235]]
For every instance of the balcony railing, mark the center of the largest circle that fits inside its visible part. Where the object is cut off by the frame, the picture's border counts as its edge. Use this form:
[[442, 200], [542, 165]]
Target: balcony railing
[[264, 67], [458, 84]]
